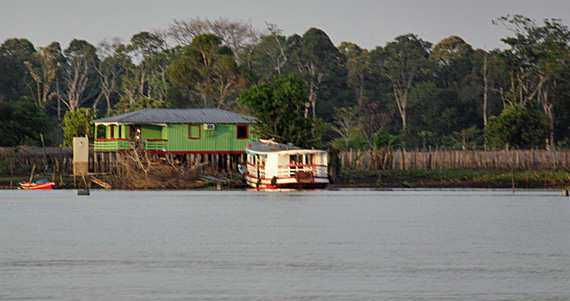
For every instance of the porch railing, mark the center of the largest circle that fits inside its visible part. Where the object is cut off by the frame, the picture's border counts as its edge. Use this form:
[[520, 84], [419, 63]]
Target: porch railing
[[113, 144], [155, 144], [129, 144]]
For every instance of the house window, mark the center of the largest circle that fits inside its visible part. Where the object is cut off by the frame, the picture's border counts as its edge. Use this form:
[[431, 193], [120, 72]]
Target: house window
[[112, 131], [242, 131], [194, 131]]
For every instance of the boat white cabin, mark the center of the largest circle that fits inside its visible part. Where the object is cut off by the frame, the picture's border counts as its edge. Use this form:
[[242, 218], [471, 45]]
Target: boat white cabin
[[275, 165]]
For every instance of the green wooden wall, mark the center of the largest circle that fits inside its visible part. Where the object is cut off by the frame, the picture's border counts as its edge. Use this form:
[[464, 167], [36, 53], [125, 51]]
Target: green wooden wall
[[184, 139], [222, 139]]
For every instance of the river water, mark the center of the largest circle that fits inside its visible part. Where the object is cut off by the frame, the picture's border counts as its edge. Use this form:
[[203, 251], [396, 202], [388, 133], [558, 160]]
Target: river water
[[287, 245]]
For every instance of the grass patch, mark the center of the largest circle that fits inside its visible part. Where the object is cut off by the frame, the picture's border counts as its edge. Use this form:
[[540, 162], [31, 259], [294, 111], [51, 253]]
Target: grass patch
[[484, 178]]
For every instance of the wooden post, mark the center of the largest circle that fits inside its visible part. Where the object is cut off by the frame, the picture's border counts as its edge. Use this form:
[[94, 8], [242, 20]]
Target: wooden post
[[463, 159], [416, 158], [486, 157], [518, 160], [441, 157], [396, 162], [474, 157], [435, 158], [404, 167], [427, 157], [507, 156]]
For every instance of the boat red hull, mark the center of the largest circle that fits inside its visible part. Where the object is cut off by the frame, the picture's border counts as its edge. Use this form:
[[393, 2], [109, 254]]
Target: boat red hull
[[42, 186], [278, 183]]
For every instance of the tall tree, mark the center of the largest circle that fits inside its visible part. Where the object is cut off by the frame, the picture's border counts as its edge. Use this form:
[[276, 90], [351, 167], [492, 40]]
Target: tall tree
[[207, 73], [76, 124], [481, 86], [150, 76], [114, 63], [402, 62], [15, 80], [236, 35], [278, 107], [346, 124], [358, 67], [12, 82], [21, 123], [317, 58], [536, 59], [48, 59], [451, 61], [524, 127], [79, 74], [271, 56], [142, 66]]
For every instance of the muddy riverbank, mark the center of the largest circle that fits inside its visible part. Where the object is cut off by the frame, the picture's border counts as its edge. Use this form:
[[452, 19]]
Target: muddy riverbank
[[453, 178]]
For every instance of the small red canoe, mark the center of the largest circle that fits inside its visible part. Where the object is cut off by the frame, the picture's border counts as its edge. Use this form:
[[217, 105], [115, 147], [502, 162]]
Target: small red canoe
[[40, 184]]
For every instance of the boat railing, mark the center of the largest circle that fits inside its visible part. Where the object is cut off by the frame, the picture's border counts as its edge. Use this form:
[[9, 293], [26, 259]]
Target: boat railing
[[261, 171], [285, 171], [252, 170]]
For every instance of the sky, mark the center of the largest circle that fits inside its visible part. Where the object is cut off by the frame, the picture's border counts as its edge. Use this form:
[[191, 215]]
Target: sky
[[367, 23]]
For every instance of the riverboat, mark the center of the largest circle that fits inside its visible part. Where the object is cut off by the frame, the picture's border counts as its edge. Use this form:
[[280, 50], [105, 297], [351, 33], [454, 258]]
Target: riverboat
[[40, 184], [272, 165]]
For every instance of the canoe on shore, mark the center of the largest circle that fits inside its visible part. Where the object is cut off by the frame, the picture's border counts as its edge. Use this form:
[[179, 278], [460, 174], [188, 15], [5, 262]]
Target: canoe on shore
[[40, 184]]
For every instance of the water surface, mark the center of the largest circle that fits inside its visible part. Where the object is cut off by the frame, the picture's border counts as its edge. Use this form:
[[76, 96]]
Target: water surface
[[256, 245]]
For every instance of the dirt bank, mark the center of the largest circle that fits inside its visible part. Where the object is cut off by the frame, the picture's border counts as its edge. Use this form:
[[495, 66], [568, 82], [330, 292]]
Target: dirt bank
[[459, 178]]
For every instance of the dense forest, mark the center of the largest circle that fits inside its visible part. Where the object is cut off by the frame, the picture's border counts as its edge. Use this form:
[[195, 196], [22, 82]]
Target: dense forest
[[408, 92]]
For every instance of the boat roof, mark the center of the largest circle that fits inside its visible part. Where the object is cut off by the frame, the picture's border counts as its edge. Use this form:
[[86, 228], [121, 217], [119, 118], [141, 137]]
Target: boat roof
[[268, 146], [164, 116]]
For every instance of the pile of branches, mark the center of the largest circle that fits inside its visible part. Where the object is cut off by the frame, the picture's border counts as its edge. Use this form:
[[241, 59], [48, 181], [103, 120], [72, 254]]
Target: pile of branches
[[139, 171]]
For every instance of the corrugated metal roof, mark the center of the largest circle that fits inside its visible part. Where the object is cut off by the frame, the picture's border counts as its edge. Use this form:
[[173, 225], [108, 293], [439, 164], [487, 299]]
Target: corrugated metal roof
[[159, 116]]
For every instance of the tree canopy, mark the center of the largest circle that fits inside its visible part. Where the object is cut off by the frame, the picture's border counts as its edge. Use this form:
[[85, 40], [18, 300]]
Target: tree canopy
[[524, 127], [279, 107], [442, 94], [21, 123]]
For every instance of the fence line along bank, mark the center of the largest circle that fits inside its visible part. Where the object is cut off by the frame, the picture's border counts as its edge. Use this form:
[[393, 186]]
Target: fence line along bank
[[59, 160]]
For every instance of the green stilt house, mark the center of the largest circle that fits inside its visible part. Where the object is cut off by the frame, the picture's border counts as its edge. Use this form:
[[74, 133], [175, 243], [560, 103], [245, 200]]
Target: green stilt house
[[175, 131]]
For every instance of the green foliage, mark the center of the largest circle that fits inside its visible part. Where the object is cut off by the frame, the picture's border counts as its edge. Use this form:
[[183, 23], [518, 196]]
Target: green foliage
[[451, 61], [358, 67], [269, 57], [322, 66], [21, 123], [75, 124], [279, 108], [124, 105], [536, 58], [403, 62], [146, 44], [383, 139], [347, 125], [206, 74], [439, 112], [435, 92], [13, 72], [465, 138], [523, 127], [355, 142]]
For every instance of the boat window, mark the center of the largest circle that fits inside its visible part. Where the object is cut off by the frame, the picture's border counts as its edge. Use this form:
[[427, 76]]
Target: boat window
[[295, 159], [262, 161]]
